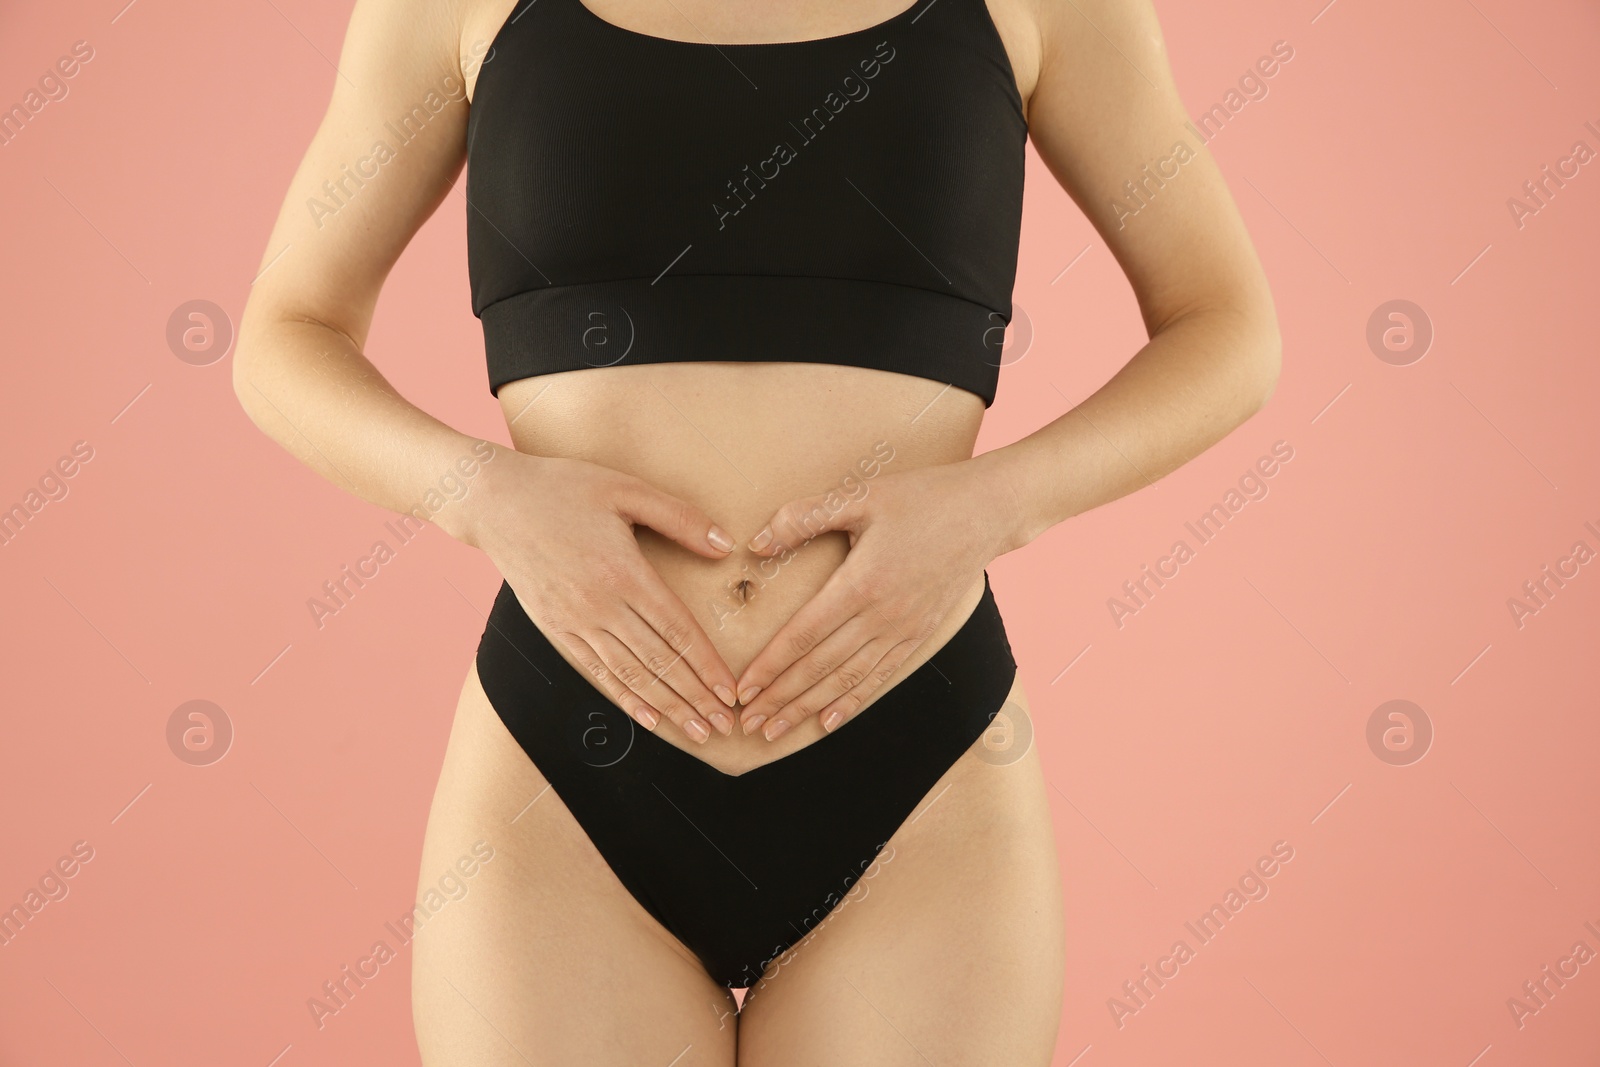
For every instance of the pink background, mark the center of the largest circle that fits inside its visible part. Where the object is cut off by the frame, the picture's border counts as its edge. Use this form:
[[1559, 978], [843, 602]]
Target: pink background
[[1228, 714]]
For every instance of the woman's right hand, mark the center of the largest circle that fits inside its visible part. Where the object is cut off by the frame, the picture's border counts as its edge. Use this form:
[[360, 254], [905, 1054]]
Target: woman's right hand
[[561, 533]]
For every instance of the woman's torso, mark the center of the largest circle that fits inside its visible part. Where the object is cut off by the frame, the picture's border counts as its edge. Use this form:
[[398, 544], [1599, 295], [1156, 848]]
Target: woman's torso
[[740, 439]]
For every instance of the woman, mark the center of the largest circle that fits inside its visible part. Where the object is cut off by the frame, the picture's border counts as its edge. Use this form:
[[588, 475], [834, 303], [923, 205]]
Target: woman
[[743, 272]]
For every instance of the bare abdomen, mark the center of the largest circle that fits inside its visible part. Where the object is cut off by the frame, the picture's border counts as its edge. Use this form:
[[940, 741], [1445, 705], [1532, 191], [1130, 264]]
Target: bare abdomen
[[739, 440]]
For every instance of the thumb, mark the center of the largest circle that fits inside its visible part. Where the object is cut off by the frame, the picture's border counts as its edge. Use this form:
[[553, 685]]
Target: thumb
[[644, 505], [800, 520]]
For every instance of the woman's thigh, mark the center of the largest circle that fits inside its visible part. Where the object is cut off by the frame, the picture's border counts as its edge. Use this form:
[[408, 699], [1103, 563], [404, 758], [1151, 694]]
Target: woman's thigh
[[949, 950], [539, 955]]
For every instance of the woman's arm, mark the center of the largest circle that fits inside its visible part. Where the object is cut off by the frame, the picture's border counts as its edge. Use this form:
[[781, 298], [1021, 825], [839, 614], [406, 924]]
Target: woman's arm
[[561, 531], [1103, 107], [298, 369]]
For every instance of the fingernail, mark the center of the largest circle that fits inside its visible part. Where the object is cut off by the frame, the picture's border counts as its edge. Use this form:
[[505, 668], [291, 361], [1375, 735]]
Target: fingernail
[[647, 718], [720, 720], [697, 730], [775, 730], [830, 720], [749, 694], [761, 539], [719, 540], [725, 695], [753, 723]]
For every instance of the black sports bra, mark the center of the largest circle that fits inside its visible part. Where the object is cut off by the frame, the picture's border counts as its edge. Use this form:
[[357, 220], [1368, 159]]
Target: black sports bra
[[852, 200]]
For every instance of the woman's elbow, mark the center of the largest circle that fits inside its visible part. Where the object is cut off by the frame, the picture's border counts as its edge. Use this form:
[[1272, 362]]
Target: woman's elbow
[[253, 351], [1268, 360], [1255, 351]]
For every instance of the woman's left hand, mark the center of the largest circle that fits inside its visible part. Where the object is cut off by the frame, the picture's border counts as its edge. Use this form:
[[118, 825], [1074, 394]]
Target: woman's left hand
[[919, 539]]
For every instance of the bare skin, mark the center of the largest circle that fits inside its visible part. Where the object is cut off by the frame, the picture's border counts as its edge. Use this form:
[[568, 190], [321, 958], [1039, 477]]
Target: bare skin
[[628, 540]]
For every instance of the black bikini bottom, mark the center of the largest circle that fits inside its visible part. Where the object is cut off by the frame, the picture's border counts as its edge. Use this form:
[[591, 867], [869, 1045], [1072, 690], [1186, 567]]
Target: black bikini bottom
[[741, 867]]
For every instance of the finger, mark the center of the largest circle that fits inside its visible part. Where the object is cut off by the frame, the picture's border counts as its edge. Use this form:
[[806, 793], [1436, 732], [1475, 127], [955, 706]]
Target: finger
[[644, 505], [637, 677], [799, 521], [834, 604], [627, 700], [805, 672], [846, 706], [856, 668], [672, 669], [661, 609]]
